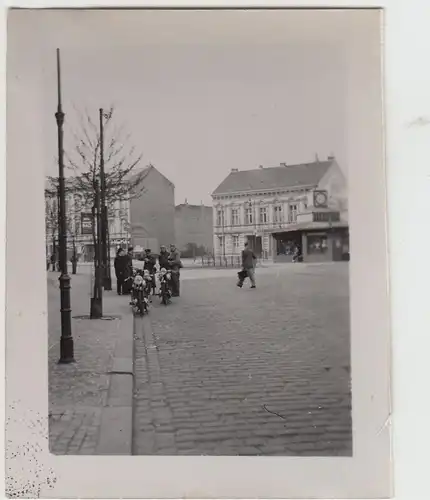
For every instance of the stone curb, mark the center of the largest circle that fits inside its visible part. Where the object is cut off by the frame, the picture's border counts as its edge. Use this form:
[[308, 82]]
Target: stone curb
[[116, 429]]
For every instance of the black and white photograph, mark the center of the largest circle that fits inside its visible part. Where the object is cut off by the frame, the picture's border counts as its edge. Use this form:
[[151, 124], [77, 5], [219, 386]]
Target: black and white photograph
[[198, 237]]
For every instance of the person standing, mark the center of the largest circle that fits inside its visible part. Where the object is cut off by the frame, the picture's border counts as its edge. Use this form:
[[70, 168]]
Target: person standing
[[248, 264], [175, 266], [126, 289], [150, 264], [163, 258], [121, 270]]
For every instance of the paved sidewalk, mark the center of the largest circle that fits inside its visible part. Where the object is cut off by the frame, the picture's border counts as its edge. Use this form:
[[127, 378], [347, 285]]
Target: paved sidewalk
[[224, 371], [80, 393]]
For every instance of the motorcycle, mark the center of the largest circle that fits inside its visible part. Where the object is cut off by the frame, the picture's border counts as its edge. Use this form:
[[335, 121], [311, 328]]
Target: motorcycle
[[139, 301], [165, 292]]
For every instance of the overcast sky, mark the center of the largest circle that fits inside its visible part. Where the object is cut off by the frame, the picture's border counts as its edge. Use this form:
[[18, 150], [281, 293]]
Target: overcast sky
[[197, 105]]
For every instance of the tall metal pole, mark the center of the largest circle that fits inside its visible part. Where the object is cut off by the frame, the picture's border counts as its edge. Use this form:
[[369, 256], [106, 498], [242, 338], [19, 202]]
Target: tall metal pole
[[223, 233], [107, 282], [66, 342]]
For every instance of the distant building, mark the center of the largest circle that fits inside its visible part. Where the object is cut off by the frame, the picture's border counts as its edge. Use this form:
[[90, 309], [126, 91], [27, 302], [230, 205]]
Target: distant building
[[144, 222], [194, 229], [152, 213], [277, 208]]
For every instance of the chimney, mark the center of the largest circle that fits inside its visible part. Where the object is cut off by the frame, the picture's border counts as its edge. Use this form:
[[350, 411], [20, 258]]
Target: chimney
[[283, 165], [317, 160], [260, 166], [186, 201], [235, 170], [330, 157]]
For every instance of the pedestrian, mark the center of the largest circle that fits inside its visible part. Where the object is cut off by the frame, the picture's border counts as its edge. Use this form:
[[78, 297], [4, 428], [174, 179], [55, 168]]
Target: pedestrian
[[149, 265], [128, 283], [163, 258], [53, 261], [121, 270], [175, 266], [248, 266]]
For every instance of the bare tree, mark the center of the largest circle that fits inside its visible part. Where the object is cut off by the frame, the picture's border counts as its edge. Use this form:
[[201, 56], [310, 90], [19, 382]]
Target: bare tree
[[120, 161]]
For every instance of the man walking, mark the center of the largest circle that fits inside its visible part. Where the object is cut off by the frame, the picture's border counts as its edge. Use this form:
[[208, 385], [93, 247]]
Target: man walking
[[248, 266]]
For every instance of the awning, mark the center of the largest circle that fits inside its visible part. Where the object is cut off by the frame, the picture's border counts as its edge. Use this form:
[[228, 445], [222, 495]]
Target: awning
[[310, 226]]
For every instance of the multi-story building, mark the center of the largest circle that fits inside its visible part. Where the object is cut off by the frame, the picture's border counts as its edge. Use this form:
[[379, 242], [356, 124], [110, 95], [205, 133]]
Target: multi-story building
[[152, 213], [278, 208], [145, 221], [79, 225], [193, 226]]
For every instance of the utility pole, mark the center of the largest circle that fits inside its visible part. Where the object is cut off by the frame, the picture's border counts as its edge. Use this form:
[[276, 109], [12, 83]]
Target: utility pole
[[107, 281], [66, 342]]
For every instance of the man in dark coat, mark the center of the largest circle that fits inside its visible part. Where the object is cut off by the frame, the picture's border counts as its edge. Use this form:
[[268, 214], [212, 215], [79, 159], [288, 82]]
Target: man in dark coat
[[163, 258], [121, 270], [126, 290], [175, 265], [248, 265], [150, 264]]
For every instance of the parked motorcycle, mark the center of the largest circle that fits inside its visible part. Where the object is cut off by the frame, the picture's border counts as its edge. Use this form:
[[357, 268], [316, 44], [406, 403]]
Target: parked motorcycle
[[165, 292], [139, 297]]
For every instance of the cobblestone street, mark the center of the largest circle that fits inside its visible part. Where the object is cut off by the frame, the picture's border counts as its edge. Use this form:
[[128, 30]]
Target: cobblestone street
[[228, 371]]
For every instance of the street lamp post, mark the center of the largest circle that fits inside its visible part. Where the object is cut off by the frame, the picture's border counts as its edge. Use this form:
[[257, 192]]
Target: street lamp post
[[66, 342], [223, 232], [107, 281]]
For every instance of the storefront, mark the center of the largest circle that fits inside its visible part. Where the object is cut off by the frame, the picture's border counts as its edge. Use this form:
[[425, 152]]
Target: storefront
[[316, 244]]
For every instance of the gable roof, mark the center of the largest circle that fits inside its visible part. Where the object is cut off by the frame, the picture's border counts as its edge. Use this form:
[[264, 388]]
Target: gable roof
[[305, 174], [144, 172]]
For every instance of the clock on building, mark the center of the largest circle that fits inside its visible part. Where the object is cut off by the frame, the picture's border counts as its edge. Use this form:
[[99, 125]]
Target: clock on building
[[320, 199]]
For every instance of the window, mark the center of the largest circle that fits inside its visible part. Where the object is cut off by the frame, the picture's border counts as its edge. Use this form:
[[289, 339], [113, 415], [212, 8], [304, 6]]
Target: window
[[292, 215], [219, 217], [248, 215], [235, 240], [277, 213], [234, 217], [317, 244], [221, 241], [263, 215]]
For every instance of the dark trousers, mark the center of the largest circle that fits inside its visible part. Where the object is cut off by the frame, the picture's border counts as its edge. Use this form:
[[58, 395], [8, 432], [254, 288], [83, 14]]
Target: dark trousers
[[119, 285], [175, 283]]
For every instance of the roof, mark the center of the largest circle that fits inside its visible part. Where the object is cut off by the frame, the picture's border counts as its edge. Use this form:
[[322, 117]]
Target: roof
[[143, 172], [305, 174], [192, 207]]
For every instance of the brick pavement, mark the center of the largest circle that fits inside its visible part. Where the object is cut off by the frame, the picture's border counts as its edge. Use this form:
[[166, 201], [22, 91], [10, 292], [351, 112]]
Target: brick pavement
[[78, 392], [224, 371]]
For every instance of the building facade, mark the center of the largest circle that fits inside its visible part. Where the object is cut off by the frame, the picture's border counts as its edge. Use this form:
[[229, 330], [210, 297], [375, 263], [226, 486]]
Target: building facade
[[142, 222], [279, 208], [152, 213], [194, 228], [79, 226]]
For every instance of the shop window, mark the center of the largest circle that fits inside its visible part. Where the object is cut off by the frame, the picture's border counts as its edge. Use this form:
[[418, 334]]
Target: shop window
[[317, 244]]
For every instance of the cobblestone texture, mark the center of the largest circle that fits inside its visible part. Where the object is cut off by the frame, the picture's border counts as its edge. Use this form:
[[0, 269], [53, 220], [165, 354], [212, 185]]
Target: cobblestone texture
[[224, 371], [77, 392]]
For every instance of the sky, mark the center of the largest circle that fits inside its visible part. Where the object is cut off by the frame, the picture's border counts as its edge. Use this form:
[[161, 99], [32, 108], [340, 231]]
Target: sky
[[197, 98]]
